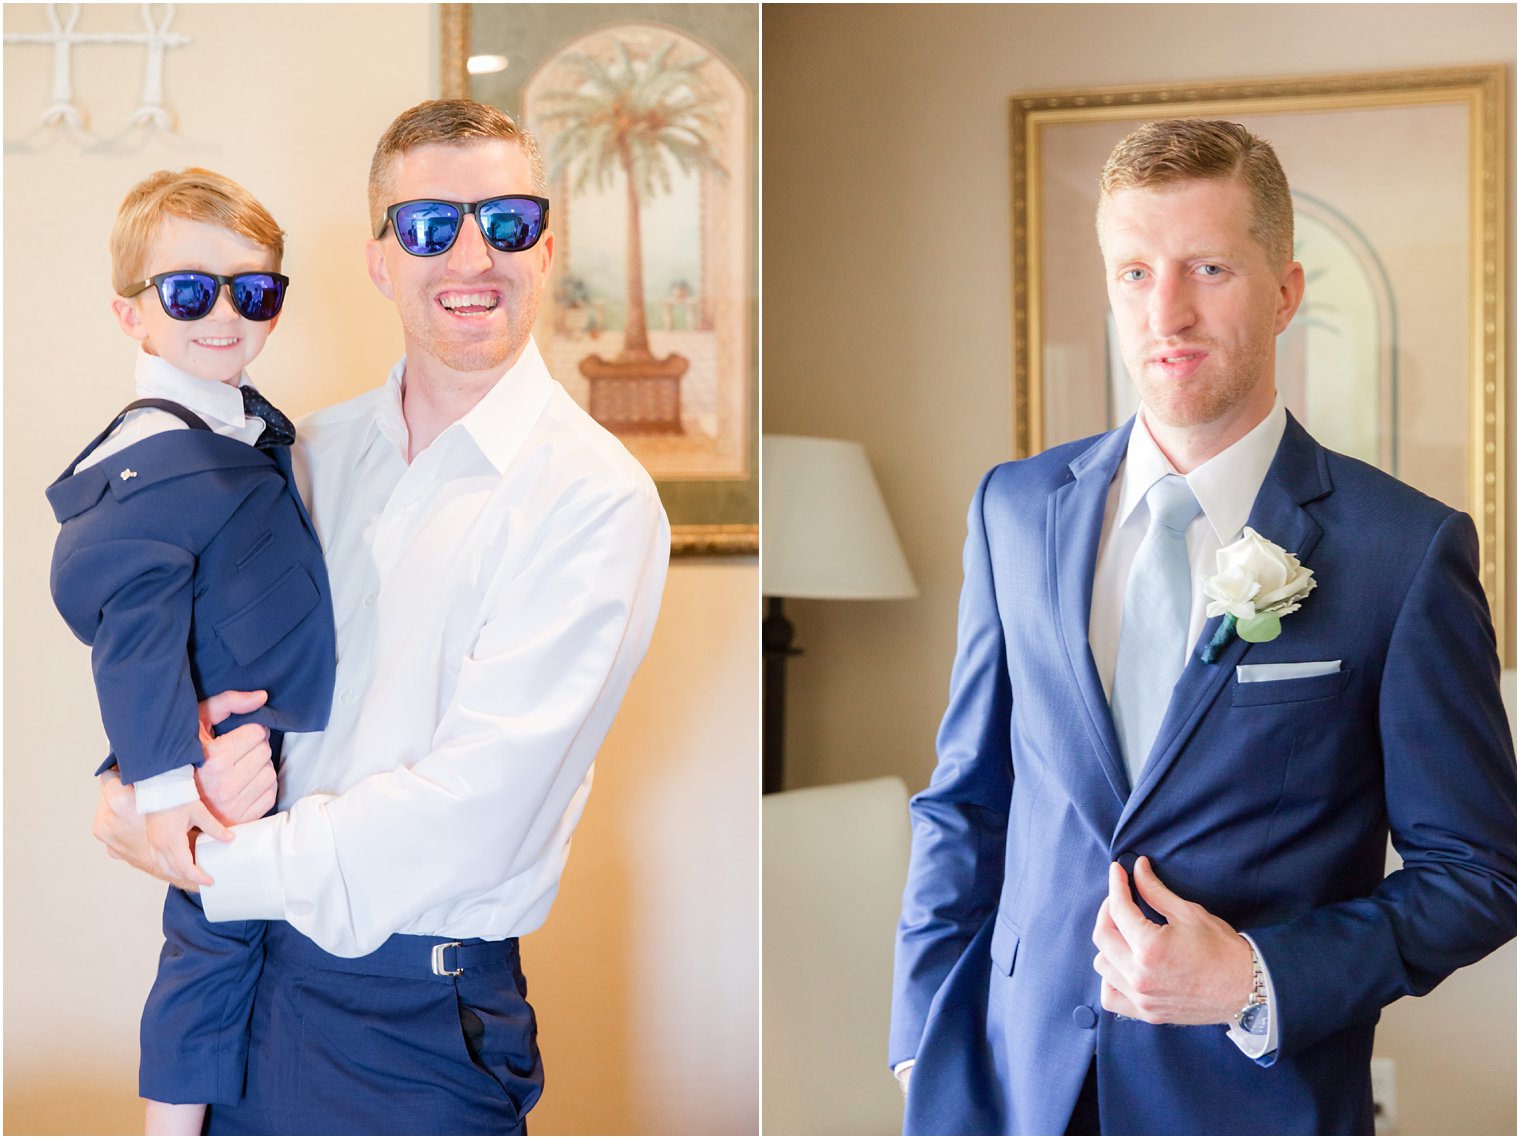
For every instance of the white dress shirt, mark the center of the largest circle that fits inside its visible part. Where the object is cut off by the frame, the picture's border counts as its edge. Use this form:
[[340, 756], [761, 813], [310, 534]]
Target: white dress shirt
[[1226, 488], [221, 406], [492, 599]]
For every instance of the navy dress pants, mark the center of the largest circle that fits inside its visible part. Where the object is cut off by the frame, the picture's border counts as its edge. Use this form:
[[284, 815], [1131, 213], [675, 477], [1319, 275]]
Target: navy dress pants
[[394, 1043]]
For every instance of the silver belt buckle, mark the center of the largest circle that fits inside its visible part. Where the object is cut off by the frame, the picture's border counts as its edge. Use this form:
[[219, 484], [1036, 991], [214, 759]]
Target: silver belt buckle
[[438, 951]]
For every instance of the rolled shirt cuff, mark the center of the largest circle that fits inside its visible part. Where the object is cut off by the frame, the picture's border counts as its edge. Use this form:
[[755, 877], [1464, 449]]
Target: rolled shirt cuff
[[245, 873], [1259, 1045], [900, 1074], [172, 788]]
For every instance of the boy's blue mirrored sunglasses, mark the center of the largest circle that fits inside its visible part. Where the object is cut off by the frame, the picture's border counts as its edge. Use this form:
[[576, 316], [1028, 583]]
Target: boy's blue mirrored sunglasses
[[426, 227], [189, 294]]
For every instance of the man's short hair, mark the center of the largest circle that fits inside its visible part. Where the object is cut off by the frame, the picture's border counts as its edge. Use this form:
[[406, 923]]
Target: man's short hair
[[196, 195], [446, 122], [1180, 150]]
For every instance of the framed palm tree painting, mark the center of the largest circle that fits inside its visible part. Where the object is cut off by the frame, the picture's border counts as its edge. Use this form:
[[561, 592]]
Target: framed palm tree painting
[[645, 114]]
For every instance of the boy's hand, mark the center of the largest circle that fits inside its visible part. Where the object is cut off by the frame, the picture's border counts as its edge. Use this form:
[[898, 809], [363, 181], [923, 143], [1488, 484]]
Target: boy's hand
[[237, 781], [169, 845]]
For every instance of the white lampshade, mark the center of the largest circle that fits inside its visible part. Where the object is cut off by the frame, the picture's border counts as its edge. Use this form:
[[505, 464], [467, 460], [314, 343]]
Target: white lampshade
[[825, 532]]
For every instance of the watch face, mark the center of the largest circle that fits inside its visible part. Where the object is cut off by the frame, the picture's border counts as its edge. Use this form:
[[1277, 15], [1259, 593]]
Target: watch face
[[1254, 1020]]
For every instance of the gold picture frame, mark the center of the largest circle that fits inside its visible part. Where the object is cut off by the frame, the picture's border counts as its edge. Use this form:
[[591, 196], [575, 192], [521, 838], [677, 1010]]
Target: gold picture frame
[[708, 518], [1324, 128]]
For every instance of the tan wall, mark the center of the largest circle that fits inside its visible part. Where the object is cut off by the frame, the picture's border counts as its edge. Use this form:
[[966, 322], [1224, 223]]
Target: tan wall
[[645, 976], [887, 299]]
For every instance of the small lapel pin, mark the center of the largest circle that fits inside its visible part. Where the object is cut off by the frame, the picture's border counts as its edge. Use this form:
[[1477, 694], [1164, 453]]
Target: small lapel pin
[[129, 473]]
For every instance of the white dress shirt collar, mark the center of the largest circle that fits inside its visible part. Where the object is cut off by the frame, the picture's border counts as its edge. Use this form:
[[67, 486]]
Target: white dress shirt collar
[[1225, 486], [212, 400], [498, 424]]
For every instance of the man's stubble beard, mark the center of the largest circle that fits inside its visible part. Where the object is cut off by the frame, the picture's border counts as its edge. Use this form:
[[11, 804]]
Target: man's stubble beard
[[1208, 402], [488, 355]]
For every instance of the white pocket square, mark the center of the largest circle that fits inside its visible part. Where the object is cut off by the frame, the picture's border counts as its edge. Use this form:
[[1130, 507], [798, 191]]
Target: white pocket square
[[1250, 673]]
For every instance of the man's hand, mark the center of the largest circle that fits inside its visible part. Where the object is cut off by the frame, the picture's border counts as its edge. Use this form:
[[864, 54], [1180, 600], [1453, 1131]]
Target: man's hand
[[122, 829], [1196, 969], [237, 781], [235, 788]]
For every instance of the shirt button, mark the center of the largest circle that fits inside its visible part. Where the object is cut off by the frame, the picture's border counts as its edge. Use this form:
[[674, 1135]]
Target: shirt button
[[1083, 1017], [346, 696], [369, 601]]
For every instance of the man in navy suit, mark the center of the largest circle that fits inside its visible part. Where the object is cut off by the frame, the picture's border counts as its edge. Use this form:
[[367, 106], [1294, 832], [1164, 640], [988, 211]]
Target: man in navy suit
[[1198, 780]]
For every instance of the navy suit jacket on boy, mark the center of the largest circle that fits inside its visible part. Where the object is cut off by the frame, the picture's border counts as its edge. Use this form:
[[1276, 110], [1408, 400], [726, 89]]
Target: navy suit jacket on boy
[[1269, 803], [188, 562]]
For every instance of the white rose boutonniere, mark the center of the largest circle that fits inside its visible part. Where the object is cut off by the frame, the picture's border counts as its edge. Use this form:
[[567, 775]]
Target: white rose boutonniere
[[1257, 585]]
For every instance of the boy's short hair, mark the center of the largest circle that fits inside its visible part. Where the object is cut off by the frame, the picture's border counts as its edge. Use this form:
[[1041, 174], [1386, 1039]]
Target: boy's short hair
[[1169, 151], [445, 122], [196, 195]]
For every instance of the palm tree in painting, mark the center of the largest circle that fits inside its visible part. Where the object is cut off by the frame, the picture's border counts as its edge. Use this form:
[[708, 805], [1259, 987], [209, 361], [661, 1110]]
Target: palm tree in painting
[[635, 116]]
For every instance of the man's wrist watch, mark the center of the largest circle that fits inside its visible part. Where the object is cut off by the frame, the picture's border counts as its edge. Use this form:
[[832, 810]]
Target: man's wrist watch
[[1252, 1018]]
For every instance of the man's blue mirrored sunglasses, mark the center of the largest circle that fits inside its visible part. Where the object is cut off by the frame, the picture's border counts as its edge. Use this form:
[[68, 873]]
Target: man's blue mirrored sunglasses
[[426, 227]]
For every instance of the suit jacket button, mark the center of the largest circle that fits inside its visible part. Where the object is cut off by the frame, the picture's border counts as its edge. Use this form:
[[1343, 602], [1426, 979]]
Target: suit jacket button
[[1084, 1017]]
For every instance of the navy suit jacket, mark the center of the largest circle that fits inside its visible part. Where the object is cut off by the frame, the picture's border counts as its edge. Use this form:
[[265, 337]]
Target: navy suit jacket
[[189, 564], [1269, 803]]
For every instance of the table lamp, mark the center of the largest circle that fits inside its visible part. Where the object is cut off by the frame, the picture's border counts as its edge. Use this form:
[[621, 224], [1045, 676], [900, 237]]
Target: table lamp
[[825, 534]]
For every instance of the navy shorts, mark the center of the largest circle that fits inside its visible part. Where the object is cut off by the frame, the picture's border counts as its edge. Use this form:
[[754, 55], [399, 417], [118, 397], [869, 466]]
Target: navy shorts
[[194, 1033]]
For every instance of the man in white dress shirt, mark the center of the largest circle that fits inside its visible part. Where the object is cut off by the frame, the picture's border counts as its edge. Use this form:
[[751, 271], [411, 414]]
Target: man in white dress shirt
[[497, 560]]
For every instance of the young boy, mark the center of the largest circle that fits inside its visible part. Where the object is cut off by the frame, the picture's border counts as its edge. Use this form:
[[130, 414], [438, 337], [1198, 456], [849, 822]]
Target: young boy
[[187, 561]]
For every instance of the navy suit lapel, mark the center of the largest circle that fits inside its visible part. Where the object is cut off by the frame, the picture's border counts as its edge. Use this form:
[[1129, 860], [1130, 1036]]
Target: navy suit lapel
[[1074, 529], [1298, 475], [281, 457]]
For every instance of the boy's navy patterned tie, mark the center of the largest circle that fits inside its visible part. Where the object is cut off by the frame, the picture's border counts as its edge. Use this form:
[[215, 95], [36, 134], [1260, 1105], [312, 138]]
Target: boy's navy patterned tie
[[278, 430]]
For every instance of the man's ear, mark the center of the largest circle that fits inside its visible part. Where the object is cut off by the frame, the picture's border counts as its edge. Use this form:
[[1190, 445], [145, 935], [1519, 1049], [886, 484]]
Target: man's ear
[[374, 258], [547, 245], [1290, 294], [128, 318]]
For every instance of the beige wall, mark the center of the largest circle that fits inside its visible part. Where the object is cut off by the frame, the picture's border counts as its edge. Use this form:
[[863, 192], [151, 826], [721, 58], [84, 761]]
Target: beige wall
[[887, 299], [645, 976]]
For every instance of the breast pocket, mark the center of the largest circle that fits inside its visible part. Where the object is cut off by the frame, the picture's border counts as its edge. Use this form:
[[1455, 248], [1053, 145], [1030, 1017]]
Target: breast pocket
[[265, 621], [264, 541], [1290, 691]]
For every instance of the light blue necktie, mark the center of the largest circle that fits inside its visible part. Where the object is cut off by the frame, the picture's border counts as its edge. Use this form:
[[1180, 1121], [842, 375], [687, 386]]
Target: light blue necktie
[[1153, 632]]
